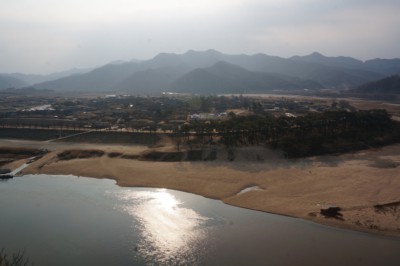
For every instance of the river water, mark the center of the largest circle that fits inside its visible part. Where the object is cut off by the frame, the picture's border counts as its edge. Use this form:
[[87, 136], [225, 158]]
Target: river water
[[68, 220]]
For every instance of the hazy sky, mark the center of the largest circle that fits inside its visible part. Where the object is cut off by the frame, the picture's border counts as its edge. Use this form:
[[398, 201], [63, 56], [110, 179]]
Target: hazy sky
[[41, 36]]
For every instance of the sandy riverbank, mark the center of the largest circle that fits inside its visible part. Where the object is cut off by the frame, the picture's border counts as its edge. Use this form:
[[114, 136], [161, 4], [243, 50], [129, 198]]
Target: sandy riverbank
[[355, 182]]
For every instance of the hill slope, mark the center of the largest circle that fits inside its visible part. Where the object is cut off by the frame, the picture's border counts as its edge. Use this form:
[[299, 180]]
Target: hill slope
[[150, 81], [389, 85], [10, 82], [100, 79], [224, 77]]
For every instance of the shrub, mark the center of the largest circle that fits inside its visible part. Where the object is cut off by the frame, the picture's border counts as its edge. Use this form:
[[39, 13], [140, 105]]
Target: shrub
[[79, 154], [332, 212], [114, 154], [130, 156]]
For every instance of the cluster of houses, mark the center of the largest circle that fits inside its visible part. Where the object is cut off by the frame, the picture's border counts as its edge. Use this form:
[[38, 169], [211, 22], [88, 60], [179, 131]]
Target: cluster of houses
[[167, 112]]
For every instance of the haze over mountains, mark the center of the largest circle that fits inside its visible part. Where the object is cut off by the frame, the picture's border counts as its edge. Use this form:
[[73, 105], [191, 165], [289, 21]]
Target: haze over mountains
[[214, 72]]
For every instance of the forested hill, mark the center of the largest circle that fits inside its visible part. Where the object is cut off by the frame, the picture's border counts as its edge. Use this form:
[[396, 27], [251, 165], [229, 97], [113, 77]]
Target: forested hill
[[389, 85]]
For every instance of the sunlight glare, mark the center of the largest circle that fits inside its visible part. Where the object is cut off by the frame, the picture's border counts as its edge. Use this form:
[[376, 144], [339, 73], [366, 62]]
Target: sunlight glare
[[169, 230]]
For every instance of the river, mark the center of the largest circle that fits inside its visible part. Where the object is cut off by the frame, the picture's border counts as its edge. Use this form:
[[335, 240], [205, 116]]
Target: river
[[69, 220]]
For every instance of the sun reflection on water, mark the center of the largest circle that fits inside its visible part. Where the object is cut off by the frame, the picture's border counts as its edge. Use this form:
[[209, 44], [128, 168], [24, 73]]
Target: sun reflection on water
[[170, 233]]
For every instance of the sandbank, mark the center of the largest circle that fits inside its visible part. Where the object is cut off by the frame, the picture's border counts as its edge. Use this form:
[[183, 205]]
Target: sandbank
[[355, 182]]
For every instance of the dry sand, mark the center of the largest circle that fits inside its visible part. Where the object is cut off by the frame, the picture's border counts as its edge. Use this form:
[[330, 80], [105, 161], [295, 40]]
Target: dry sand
[[355, 182]]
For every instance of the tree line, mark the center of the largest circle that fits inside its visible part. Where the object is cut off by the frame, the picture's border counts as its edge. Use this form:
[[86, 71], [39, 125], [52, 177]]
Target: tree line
[[311, 134]]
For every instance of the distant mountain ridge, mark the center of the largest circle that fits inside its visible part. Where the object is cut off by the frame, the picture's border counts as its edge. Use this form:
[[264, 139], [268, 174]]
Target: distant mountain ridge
[[389, 85], [340, 61], [207, 72], [385, 67], [7, 82], [30, 79]]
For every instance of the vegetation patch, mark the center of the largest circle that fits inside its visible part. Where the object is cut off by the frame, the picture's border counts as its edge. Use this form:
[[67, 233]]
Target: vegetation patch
[[32, 133], [130, 156], [115, 137], [162, 156], [24, 152], [114, 154], [200, 155], [79, 154], [385, 163], [332, 212], [392, 208], [6, 161], [177, 156], [10, 154], [4, 171]]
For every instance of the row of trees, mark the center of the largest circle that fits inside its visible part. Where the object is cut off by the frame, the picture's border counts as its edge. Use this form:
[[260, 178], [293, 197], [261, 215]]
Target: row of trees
[[312, 134]]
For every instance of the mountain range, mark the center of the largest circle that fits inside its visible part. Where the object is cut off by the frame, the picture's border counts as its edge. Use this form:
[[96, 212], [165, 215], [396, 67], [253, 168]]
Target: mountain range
[[214, 72]]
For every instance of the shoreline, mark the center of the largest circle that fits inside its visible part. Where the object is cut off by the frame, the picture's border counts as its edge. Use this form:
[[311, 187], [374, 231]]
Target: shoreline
[[299, 188]]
